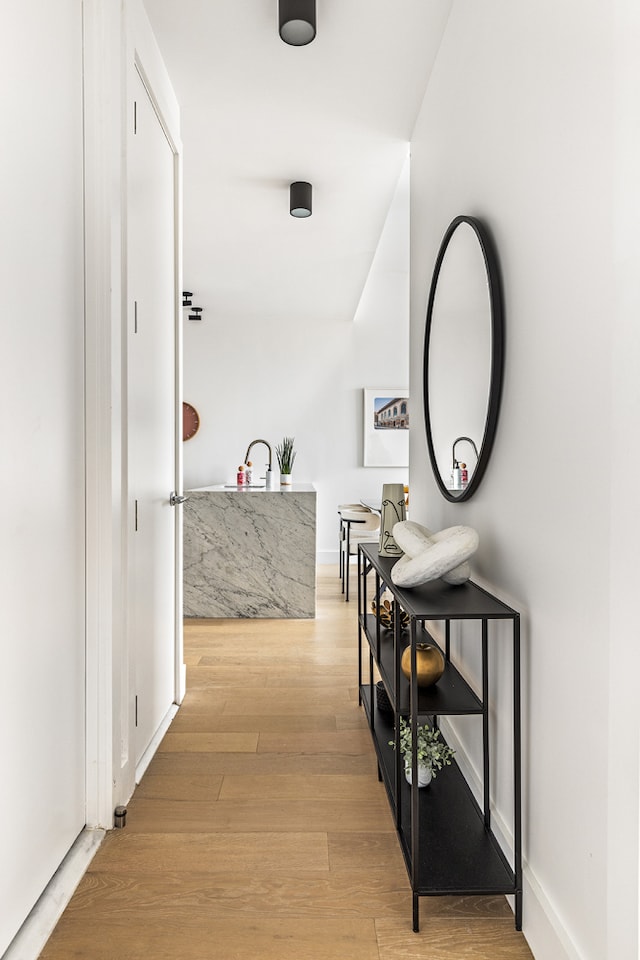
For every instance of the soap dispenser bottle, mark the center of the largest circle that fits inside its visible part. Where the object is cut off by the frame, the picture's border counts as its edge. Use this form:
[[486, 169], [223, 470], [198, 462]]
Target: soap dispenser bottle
[[248, 472]]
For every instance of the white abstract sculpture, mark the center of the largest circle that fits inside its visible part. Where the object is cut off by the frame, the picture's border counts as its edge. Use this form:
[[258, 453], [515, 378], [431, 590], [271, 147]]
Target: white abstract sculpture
[[428, 556]]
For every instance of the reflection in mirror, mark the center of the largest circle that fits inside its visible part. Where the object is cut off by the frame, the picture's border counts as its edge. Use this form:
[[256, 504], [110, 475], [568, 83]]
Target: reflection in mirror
[[463, 358]]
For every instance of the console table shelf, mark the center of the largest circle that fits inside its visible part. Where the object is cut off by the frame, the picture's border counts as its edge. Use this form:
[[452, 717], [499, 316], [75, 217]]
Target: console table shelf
[[444, 834], [451, 694]]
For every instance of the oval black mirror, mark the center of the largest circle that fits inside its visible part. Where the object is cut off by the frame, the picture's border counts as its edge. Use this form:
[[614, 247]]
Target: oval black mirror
[[463, 358]]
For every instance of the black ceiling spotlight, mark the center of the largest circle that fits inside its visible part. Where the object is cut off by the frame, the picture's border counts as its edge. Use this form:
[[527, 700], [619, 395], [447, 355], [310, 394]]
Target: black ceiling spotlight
[[300, 199], [297, 20]]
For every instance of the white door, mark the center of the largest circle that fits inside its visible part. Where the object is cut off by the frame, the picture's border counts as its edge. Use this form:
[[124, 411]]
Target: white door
[[152, 414]]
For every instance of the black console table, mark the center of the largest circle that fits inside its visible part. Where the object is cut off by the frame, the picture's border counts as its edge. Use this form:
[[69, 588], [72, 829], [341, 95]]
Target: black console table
[[445, 835]]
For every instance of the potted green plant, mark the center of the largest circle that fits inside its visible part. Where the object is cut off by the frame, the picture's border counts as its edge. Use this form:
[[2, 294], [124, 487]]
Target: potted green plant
[[286, 456], [433, 753]]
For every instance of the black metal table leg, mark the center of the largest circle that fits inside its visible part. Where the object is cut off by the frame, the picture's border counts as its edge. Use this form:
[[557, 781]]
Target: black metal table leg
[[486, 767], [517, 771], [518, 909]]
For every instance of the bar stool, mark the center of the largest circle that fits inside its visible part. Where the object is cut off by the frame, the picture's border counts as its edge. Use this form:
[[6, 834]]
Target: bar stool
[[352, 508], [359, 526]]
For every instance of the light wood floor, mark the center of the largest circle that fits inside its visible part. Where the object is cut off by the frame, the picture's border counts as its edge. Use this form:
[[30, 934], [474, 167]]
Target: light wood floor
[[260, 831]]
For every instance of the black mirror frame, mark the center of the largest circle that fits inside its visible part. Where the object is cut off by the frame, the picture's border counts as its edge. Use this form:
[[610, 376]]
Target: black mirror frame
[[497, 354]]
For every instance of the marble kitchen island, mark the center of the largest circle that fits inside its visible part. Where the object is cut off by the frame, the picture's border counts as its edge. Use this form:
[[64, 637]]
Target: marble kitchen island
[[250, 552]]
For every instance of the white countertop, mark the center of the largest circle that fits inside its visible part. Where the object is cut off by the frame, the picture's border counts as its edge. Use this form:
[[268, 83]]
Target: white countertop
[[254, 488]]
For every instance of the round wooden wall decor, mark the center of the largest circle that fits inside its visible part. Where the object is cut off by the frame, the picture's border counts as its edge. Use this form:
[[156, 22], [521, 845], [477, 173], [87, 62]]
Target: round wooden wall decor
[[190, 421]]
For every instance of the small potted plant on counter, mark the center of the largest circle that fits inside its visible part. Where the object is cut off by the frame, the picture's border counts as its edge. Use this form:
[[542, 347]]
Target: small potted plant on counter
[[286, 456], [433, 753]]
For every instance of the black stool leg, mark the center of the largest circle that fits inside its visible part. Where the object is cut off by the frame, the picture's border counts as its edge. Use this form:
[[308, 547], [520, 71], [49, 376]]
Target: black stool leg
[[346, 560]]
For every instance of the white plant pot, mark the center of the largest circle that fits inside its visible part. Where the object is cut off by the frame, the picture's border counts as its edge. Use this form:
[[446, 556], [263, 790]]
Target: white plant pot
[[424, 774], [286, 479]]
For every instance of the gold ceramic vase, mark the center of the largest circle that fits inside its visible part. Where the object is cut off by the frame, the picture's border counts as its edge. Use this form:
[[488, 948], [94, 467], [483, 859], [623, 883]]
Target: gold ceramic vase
[[429, 664]]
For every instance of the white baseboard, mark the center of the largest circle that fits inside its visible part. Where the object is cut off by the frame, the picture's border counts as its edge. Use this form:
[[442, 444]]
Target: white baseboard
[[546, 934], [30, 940], [324, 557], [148, 755], [327, 556], [182, 683]]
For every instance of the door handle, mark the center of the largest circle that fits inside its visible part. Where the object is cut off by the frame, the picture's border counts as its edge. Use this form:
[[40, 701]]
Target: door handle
[[175, 499]]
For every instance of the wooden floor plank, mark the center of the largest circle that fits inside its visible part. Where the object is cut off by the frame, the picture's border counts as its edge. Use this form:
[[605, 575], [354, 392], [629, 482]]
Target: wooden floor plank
[[267, 763], [207, 723], [295, 675], [366, 852], [234, 707], [349, 719], [264, 853], [168, 787], [224, 676], [206, 701], [210, 742], [298, 788], [297, 702], [323, 658], [356, 742], [242, 816], [241, 895], [441, 939], [200, 936]]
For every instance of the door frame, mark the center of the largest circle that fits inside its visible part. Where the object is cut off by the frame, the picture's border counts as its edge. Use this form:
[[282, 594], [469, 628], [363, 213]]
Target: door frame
[[117, 40]]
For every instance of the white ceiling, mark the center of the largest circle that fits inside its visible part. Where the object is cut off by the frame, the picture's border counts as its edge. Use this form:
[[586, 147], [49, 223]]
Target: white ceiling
[[258, 114]]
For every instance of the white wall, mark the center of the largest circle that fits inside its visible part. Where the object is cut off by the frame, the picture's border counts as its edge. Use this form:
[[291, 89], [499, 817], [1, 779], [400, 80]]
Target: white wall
[[624, 654], [265, 378], [42, 734], [517, 129]]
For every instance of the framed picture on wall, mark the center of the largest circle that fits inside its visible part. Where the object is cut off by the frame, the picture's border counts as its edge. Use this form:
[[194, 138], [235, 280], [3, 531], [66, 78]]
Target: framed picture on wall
[[386, 427]]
